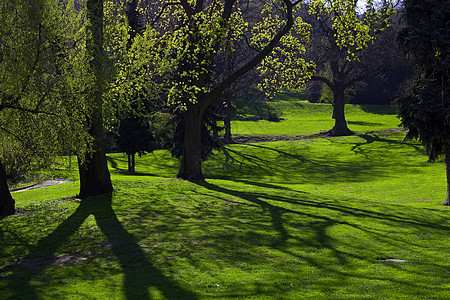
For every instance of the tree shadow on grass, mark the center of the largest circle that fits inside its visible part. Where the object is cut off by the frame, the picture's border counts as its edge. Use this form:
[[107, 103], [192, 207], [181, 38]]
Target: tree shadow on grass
[[352, 162], [371, 138], [139, 273], [287, 221], [147, 165], [362, 123], [297, 166], [379, 109]]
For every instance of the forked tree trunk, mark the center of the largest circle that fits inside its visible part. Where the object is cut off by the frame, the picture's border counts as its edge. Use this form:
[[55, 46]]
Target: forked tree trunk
[[191, 158], [131, 163], [6, 200], [340, 124], [447, 167]]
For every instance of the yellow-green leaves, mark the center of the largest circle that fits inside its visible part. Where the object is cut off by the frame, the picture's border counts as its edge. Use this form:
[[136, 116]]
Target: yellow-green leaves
[[285, 68], [354, 29]]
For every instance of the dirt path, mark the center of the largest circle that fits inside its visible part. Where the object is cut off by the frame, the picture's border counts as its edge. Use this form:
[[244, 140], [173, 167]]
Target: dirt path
[[41, 184]]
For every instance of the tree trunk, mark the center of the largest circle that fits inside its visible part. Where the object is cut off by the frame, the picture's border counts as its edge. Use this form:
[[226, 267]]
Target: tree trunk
[[227, 121], [447, 167], [6, 200], [94, 174], [131, 164], [191, 158], [340, 124]]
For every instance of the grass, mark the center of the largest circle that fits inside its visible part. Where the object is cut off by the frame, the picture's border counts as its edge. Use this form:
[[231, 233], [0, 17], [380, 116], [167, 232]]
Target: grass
[[303, 118], [305, 219]]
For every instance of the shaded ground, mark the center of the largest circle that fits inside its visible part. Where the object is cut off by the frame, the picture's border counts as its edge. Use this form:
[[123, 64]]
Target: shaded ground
[[247, 139]]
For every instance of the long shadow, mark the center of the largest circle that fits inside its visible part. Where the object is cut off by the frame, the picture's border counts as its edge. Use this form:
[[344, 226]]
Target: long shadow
[[113, 163], [140, 274], [371, 138], [289, 166], [379, 109], [320, 225], [277, 211], [287, 154], [362, 123]]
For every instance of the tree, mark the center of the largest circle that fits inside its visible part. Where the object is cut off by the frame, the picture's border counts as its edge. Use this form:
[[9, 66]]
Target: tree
[[184, 39], [94, 174], [37, 120], [340, 39], [135, 137], [425, 110]]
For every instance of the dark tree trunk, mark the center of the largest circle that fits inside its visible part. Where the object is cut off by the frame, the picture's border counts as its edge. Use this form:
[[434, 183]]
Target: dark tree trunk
[[191, 158], [227, 121], [131, 163], [6, 200], [447, 167], [340, 124], [133, 20], [94, 174]]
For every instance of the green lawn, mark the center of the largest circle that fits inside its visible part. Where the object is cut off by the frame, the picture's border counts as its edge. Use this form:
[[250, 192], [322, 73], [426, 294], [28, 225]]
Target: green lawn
[[303, 118], [305, 219]]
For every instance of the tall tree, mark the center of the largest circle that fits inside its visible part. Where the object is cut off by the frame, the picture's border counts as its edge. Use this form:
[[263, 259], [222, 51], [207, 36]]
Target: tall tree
[[37, 117], [425, 111], [186, 37], [94, 174], [342, 36]]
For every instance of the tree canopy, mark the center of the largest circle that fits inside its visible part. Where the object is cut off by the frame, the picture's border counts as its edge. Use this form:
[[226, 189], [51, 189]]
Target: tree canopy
[[181, 44], [38, 114], [341, 39], [425, 110]]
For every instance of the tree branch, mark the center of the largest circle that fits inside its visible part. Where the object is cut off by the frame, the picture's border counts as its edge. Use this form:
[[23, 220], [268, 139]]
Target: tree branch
[[162, 11], [323, 80], [248, 44], [187, 8], [218, 90]]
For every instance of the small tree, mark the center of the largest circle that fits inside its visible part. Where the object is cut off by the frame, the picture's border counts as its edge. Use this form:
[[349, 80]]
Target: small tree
[[425, 110], [135, 137]]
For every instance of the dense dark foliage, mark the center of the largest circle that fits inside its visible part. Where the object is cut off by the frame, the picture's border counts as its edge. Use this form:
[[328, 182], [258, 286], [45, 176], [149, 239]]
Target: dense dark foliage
[[425, 110]]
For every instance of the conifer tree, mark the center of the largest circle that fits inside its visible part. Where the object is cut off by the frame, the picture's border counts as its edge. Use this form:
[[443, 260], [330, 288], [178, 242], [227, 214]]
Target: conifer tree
[[425, 110]]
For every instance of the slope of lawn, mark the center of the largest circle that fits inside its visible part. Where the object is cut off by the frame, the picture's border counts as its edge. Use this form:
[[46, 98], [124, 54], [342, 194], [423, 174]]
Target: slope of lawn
[[303, 118], [321, 218]]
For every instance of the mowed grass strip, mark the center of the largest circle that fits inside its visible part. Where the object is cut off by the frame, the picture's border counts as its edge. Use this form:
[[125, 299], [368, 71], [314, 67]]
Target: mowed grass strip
[[329, 218]]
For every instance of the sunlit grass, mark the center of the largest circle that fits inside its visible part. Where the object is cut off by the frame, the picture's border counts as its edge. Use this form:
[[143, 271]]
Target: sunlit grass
[[306, 219], [303, 118]]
